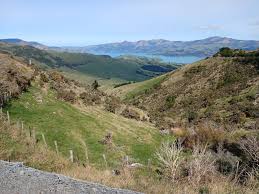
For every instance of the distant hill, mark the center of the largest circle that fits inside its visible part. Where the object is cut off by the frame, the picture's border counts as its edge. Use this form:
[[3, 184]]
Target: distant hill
[[204, 47], [99, 66], [23, 43]]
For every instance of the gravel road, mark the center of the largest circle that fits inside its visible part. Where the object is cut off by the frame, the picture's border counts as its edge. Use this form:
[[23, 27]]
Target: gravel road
[[15, 178]]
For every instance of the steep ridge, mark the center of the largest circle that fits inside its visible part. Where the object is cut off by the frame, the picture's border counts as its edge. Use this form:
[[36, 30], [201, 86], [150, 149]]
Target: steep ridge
[[223, 89]]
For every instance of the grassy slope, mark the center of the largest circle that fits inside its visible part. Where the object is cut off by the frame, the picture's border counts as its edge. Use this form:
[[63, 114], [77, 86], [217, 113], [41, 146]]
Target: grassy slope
[[129, 91], [102, 66], [17, 145], [88, 79], [73, 127]]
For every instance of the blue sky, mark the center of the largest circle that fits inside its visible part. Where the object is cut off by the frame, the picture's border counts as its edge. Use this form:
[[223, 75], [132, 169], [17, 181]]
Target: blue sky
[[84, 22]]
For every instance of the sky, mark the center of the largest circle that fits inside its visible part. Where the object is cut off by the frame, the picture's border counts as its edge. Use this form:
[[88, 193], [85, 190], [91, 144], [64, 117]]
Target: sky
[[87, 22]]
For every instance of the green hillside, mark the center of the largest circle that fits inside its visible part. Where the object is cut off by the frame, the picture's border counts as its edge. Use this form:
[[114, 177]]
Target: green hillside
[[130, 91], [73, 128], [222, 89]]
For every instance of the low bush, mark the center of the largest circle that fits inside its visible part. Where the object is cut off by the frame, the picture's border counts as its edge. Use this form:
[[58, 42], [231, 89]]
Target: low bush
[[68, 96], [112, 104], [170, 101], [130, 113], [170, 157]]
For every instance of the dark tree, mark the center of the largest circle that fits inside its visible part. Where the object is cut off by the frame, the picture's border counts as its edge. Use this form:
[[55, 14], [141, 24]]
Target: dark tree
[[226, 52], [95, 85]]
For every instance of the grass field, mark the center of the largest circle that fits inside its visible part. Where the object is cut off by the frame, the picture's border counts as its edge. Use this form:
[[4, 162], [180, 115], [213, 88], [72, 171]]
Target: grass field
[[129, 91], [88, 79], [81, 129]]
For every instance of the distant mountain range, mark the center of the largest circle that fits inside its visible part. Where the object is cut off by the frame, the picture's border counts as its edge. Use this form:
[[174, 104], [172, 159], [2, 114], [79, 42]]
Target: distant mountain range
[[204, 47]]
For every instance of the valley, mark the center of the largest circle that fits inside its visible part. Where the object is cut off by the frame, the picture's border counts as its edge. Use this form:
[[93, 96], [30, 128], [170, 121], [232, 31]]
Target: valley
[[129, 133], [129, 97], [90, 67]]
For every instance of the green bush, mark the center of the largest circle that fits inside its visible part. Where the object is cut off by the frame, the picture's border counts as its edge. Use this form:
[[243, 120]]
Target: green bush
[[95, 85], [226, 52], [191, 115], [170, 101], [204, 190]]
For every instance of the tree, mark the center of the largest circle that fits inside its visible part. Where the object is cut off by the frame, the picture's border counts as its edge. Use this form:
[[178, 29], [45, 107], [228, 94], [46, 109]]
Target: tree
[[226, 52], [95, 85]]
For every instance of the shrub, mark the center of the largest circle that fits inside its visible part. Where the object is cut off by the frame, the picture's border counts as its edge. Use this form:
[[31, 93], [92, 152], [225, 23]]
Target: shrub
[[56, 76], [44, 77], [68, 96], [91, 98], [226, 162], [191, 115], [95, 85], [225, 52], [170, 157], [209, 134], [204, 190], [170, 101], [250, 146], [130, 113], [201, 167], [111, 104], [198, 167]]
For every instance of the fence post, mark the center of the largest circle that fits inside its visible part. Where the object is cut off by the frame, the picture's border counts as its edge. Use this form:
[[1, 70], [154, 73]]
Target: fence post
[[126, 160], [105, 161], [149, 165], [44, 140], [1, 112], [56, 146], [71, 156], [86, 155], [8, 117], [33, 135]]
